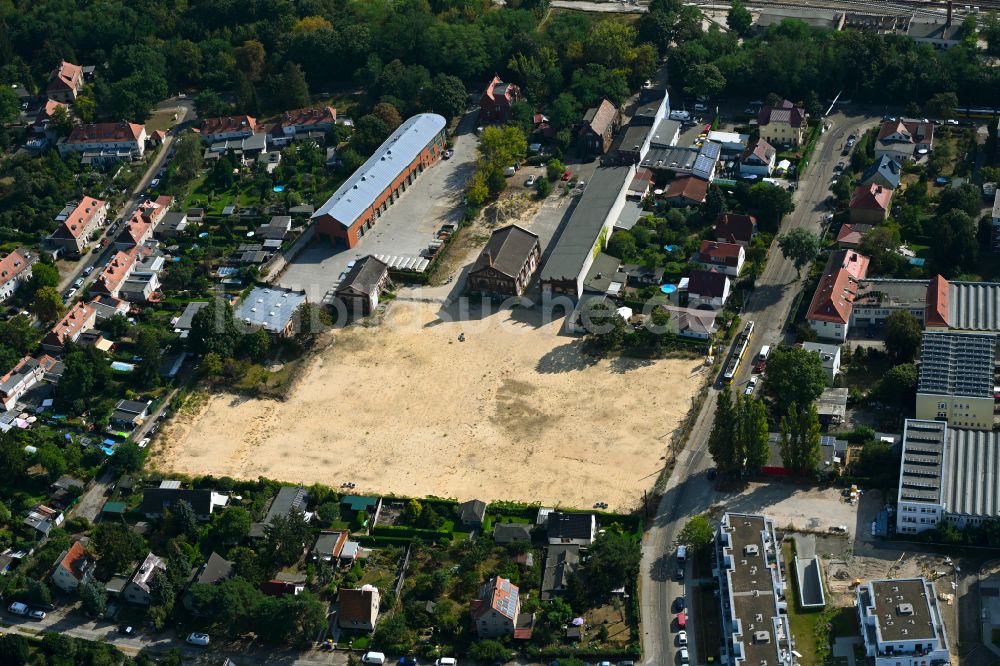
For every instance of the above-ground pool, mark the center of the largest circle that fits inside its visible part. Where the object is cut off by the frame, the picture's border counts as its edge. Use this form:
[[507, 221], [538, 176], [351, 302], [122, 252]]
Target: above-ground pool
[[279, 188], [668, 288], [203, 234], [669, 248]]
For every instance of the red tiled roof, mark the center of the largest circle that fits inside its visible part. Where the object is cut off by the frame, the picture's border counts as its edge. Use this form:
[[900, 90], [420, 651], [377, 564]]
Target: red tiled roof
[[307, 117], [66, 76], [355, 605], [761, 149], [717, 250], [106, 132], [786, 113], [852, 233], [72, 322], [734, 227], [71, 562], [228, 124], [47, 110], [81, 218], [603, 118], [834, 297], [500, 596], [936, 310], [871, 197], [116, 272], [12, 265], [688, 187], [507, 89]]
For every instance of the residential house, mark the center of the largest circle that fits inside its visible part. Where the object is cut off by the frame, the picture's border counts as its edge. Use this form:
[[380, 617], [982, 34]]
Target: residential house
[[850, 235], [298, 122], [116, 271], [139, 227], [901, 623], [144, 282], [560, 562], [884, 171], [830, 310], [472, 513], [157, 501], [358, 609], [957, 379], [691, 323], [64, 490], [80, 318], [276, 230], [637, 276], [686, 192], [360, 289], [732, 143], [227, 128], [335, 548], [904, 140], [78, 224], [65, 82], [496, 102], [271, 309], [103, 143], [22, 377], [171, 225], [15, 270], [505, 266], [284, 583], [736, 228], [870, 204], [43, 519], [73, 568], [137, 589], [571, 528], [784, 124], [828, 354], [757, 160], [289, 499], [494, 613], [109, 306], [129, 413], [184, 322], [43, 127], [727, 258], [504, 533], [708, 289], [598, 128], [642, 183], [214, 571]]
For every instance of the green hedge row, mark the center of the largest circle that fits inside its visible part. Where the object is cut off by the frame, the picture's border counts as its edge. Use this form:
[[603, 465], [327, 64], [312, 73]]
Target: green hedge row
[[411, 533]]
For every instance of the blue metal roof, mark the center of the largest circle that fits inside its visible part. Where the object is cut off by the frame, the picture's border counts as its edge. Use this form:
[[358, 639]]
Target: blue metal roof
[[365, 185]]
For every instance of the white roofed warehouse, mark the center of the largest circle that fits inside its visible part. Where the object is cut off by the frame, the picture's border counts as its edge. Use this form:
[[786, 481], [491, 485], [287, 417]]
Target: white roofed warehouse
[[356, 206]]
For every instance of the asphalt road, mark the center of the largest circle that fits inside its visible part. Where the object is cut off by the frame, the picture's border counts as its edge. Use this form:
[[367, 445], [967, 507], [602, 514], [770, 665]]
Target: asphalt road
[[100, 256], [688, 491]]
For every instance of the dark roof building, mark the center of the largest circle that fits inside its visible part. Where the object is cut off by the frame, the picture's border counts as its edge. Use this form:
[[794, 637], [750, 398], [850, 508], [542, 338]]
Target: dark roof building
[[560, 561], [472, 513], [288, 499], [505, 266], [510, 532], [735, 228], [571, 528], [156, 501], [599, 126], [496, 102], [361, 287], [884, 171]]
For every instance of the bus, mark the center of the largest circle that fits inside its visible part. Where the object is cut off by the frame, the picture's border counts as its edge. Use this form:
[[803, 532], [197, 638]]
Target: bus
[[739, 350]]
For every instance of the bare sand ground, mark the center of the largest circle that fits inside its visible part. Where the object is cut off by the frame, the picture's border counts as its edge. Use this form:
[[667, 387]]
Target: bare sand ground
[[515, 412]]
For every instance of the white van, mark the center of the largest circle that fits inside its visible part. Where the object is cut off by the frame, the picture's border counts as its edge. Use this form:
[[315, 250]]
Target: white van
[[17, 608], [681, 554], [374, 658], [446, 661]]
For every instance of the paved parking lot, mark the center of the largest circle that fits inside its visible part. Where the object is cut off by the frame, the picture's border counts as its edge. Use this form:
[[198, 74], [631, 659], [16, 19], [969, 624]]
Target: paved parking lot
[[403, 230]]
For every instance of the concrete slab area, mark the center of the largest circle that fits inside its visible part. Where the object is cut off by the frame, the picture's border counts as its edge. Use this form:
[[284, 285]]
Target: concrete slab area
[[404, 229]]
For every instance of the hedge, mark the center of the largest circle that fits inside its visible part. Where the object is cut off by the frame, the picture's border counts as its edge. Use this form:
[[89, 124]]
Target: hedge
[[410, 533]]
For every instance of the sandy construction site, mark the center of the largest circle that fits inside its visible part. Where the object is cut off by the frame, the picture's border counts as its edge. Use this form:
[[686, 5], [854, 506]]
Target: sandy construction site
[[514, 412]]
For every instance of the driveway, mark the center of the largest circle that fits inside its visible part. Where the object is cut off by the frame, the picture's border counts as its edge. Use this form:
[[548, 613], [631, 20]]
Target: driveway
[[404, 229]]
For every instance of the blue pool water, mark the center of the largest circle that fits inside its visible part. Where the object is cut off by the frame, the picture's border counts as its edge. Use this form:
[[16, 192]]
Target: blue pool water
[[279, 188], [668, 288]]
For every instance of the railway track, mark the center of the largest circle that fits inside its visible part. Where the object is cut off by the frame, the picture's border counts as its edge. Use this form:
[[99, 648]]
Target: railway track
[[928, 8]]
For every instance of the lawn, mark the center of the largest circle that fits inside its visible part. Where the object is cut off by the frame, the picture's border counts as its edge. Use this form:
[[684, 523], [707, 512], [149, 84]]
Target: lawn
[[161, 120]]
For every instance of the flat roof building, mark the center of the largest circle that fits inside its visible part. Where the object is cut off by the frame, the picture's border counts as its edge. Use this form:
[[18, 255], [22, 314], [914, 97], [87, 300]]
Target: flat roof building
[[755, 625], [957, 379], [272, 309], [357, 204], [901, 623]]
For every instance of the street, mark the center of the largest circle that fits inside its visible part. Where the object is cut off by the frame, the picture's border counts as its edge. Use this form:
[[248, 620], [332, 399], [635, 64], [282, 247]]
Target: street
[[688, 492]]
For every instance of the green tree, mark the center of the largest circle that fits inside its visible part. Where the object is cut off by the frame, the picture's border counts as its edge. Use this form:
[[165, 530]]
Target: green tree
[[697, 533], [38, 593], [706, 79], [250, 59], [295, 90], [739, 19], [231, 526], [47, 304], [209, 104], [490, 651], [128, 458], [447, 95], [769, 204], [328, 512], [93, 599], [14, 650], [118, 546], [610, 43], [501, 146], [42, 275], [715, 203], [614, 563], [800, 246], [284, 539], [722, 440], [188, 159], [10, 105], [794, 375], [554, 170], [214, 330], [941, 105], [902, 336], [256, 345], [543, 188], [605, 327], [388, 114], [751, 433], [898, 387], [880, 245], [800, 440], [955, 245], [182, 519], [149, 348], [161, 590], [393, 634]]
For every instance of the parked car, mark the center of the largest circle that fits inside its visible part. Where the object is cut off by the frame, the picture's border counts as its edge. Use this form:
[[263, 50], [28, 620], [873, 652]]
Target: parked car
[[196, 638], [37, 615], [447, 154], [751, 385], [78, 282], [679, 574], [144, 443], [566, 175], [679, 605], [446, 661], [530, 181], [682, 638], [156, 181], [126, 630], [683, 655], [88, 270], [17, 608], [373, 658], [408, 661], [70, 294]]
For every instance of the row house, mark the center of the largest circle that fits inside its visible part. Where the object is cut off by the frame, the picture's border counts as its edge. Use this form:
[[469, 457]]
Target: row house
[[15, 270], [103, 143], [78, 223]]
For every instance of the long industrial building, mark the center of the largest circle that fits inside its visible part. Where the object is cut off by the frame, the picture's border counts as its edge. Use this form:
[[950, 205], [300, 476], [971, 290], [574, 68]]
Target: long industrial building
[[947, 474], [957, 379], [356, 206]]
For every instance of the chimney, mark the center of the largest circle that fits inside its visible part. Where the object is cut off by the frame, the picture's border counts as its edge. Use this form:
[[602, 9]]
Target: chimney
[[948, 21], [489, 259]]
